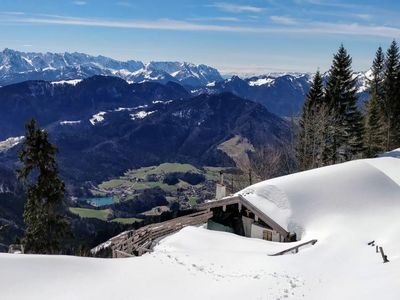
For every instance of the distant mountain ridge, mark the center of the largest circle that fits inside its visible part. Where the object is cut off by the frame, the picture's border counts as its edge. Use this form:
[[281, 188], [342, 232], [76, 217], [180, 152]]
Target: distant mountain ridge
[[282, 93], [16, 66], [48, 102], [104, 123]]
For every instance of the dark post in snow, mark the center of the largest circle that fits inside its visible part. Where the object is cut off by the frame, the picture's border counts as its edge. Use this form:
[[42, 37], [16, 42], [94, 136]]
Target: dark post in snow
[[250, 178], [376, 248], [384, 257]]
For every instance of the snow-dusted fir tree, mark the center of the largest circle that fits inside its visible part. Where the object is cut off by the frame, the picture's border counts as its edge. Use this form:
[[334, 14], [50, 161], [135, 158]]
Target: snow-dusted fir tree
[[46, 226], [345, 136], [378, 73], [390, 106]]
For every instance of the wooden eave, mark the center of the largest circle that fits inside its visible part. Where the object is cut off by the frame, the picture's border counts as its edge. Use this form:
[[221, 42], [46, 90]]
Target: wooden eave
[[243, 201]]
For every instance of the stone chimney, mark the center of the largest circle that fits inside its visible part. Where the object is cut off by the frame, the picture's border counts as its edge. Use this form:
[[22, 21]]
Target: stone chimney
[[221, 188]]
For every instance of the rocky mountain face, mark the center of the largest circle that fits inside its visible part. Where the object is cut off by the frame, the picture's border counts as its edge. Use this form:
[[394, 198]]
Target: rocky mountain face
[[16, 66]]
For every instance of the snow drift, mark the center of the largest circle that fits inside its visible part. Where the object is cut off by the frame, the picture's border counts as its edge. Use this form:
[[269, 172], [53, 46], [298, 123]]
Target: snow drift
[[343, 206]]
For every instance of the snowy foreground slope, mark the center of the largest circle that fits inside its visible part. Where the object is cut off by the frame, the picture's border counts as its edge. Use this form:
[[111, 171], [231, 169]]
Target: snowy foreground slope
[[343, 206]]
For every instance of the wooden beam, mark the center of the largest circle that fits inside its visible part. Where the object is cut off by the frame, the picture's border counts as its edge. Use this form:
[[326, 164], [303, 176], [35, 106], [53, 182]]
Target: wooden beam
[[218, 203], [295, 248]]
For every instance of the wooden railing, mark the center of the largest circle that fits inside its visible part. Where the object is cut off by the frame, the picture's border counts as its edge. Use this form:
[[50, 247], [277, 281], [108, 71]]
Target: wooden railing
[[295, 248], [138, 242]]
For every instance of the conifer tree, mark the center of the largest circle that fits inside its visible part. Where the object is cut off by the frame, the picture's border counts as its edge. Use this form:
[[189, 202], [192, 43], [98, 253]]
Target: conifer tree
[[309, 139], [377, 72], [46, 226], [374, 134], [390, 94], [345, 138]]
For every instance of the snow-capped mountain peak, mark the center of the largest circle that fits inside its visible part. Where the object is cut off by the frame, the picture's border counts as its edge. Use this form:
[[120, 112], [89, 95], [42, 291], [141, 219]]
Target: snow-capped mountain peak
[[16, 66]]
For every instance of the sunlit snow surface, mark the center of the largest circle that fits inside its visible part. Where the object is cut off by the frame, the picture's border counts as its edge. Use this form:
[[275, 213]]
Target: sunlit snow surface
[[10, 143], [71, 82], [262, 81], [97, 118], [343, 206]]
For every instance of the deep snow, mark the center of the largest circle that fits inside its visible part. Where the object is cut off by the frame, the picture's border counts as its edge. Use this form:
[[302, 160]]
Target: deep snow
[[343, 206]]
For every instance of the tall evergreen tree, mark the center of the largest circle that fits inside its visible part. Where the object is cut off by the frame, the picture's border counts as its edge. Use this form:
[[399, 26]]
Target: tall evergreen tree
[[345, 139], [374, 135], [377, 72], [390, 93], [309, 142], [46, 226]]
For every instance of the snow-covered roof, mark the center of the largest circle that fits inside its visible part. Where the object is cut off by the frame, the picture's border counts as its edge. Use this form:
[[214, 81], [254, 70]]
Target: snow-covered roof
[[353, 189]]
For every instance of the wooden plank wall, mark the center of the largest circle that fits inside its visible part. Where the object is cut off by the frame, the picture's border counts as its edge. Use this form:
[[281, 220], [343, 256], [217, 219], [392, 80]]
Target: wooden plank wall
[[138, 242]]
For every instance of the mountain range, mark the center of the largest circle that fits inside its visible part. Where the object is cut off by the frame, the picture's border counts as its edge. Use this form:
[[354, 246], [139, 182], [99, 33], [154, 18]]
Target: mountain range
[[282, 93], [105, 123], [16, 66]]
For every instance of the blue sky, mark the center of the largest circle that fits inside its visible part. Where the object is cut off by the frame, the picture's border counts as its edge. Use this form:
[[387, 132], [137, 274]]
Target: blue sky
[[235, 36]]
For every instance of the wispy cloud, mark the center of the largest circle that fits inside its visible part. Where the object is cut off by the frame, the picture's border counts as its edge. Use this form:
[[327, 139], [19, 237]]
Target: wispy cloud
[[79, 2], [177, 25], [283, 20], [13, 13], [327, 3], [365, 17], [124, 3], [234, 8], [222, 19]]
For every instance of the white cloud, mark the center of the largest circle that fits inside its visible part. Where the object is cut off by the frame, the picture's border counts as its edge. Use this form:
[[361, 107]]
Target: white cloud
[[328, 3], [234, 8], [223, 19], [168, 24], [79, 2], [363, 16], [124, 3], [15, 13], [283, 20]]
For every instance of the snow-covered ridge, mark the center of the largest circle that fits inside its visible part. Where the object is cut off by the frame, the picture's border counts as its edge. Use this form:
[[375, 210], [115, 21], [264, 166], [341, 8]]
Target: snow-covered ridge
[[70, 122], [262, 81], [141, 114], [71, 82], [162, 101], [62, 67], [119, 109], [10, 143], [97, 118]]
